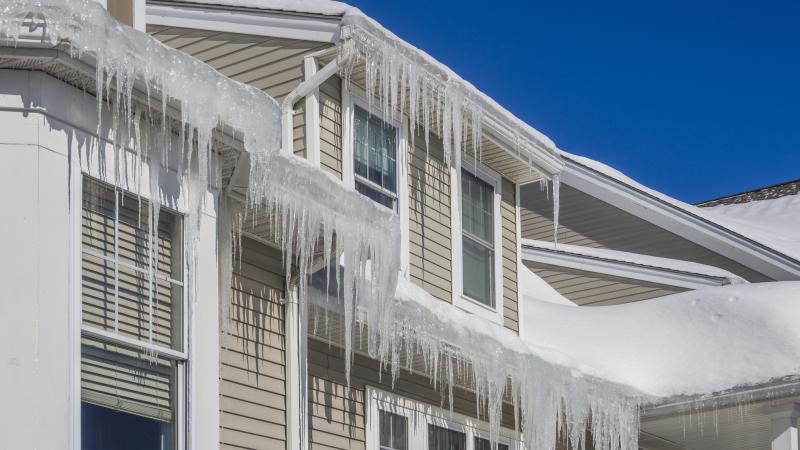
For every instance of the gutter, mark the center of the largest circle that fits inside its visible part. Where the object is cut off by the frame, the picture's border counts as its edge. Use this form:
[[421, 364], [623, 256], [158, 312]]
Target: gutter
[[561, 256], [788, 387]]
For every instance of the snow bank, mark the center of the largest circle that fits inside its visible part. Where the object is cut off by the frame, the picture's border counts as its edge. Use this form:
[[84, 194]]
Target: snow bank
[[638, 259], [694, 342], [784, 241]]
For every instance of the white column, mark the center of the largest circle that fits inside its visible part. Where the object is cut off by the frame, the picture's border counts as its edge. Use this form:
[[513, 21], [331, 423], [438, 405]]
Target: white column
[[784, 427]]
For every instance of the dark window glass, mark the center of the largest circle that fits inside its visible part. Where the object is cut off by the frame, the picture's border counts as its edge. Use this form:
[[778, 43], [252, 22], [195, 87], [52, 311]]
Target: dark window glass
[[444, 439], [106, 429], [484, 444], [477, 222], [374, 157], [394, 431]]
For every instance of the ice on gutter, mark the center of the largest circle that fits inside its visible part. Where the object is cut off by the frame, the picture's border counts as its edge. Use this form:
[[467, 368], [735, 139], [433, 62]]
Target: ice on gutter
[[308, 210], [554, 395], [630, 259]]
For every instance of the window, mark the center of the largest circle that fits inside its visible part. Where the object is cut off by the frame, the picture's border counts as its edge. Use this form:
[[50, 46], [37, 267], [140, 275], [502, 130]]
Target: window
[[393, 431], [375, 158], [485, 444], [445, 439], [477, 223], [132, 302], [398, 423]]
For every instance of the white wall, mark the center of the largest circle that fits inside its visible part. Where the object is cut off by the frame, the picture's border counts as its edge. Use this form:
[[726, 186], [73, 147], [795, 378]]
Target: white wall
[[44, 125]]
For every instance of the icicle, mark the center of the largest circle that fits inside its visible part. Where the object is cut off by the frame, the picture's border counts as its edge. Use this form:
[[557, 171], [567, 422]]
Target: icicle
[[556, 206]]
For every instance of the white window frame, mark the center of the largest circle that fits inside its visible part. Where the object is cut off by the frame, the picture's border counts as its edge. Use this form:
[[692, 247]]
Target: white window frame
[[353, 96], [419, 415], [80, 329], [492, 178]]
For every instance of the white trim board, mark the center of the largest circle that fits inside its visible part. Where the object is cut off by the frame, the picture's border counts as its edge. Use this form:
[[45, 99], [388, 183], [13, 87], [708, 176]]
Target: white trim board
[[683, 223], [244, 21], [618, 268]]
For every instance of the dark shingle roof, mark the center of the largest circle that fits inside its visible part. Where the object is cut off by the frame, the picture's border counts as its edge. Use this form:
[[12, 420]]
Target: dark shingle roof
[[764, 193]]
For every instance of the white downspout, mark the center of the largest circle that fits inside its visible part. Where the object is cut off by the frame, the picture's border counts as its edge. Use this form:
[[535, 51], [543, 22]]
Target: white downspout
[[296, 367]]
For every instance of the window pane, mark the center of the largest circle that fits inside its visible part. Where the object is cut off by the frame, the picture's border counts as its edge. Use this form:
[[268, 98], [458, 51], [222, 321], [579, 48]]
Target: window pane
[[478, 271], [484, 444], [128, 380], [376, 196], [394, 431], [105, 429], [375, 150], [477, 207], [443, 439], [119, 292]]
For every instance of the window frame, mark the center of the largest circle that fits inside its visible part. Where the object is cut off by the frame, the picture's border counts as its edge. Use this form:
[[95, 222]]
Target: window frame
[[353, 96], [463, 301], [81, 330], [423, 414]]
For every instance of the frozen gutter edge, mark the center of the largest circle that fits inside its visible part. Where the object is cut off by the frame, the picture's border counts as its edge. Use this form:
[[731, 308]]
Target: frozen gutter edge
[[31, 47], [674, 406]]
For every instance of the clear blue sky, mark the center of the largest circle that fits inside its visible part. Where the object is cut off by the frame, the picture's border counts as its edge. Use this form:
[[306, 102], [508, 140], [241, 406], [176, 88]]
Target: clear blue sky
[[697, 99]]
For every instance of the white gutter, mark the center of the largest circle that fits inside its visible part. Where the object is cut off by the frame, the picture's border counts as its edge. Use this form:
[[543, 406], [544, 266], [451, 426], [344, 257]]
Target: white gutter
[[670, 272], [295, 334]]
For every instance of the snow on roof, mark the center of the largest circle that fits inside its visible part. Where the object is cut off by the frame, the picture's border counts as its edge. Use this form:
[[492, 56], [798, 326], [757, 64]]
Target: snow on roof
[[775, 222], [638, 259], [775, 234], [695, 342], [322, 7]]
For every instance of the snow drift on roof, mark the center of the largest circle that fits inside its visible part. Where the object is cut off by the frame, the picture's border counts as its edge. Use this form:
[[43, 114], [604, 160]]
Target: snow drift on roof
[[695, 342], [775, 222]]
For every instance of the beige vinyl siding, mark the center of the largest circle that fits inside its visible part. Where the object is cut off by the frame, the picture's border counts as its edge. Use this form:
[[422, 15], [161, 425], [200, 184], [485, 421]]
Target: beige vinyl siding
[[337, 413], [430, 247], [508, 213], [586, 220], [274, 65], [589, 288], [330, 126], [252, 380]]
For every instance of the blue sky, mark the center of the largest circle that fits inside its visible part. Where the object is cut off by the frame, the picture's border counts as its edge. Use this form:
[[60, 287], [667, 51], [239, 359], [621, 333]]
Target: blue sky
[[697, 99]]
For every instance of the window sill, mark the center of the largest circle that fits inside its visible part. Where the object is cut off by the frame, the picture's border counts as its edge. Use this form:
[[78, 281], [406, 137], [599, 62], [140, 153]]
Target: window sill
[[493, 314]]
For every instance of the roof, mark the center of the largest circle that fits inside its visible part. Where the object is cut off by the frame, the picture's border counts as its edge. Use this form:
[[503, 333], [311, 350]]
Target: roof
[[782, 240], [763, 193]]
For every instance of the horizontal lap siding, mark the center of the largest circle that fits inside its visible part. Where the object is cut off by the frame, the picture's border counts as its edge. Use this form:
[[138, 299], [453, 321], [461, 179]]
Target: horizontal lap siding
[[588, 221], [330, 126], [274, 65], [508, 213], [430, 247], [252, 381], [338, 418], [588, 288]]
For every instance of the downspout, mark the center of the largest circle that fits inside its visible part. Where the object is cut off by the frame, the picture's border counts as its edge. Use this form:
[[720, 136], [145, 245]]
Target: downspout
[[296, 359]]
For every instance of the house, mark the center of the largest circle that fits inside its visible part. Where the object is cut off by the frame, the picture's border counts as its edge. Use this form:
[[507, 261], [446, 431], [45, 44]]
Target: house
[[208, 258]]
